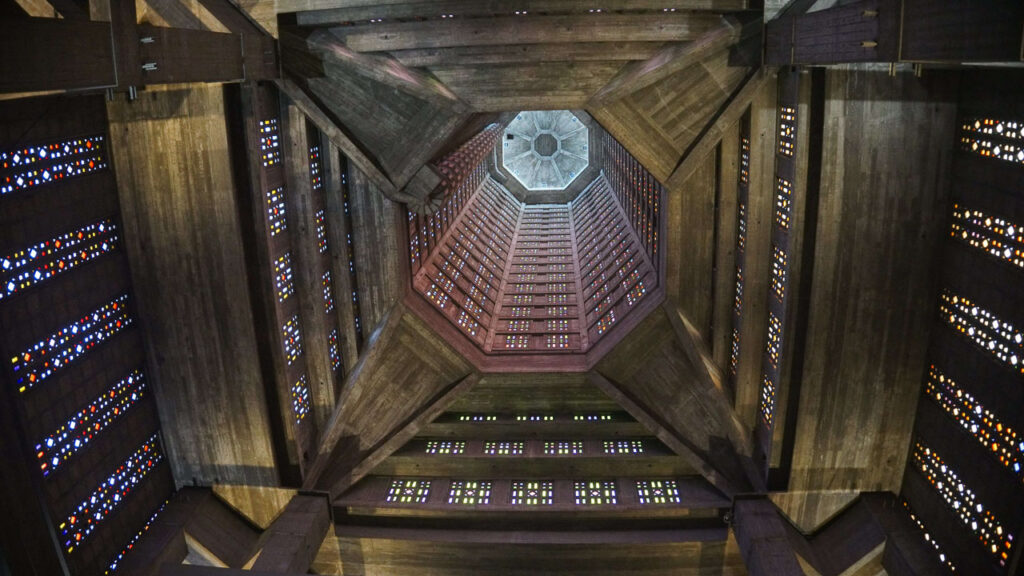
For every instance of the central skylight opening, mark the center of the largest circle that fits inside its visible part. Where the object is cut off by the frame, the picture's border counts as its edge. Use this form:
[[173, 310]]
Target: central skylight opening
[[546, 149]]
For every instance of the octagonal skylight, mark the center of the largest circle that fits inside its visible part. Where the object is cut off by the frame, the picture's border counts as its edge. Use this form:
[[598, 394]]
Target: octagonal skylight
[[546, 149]]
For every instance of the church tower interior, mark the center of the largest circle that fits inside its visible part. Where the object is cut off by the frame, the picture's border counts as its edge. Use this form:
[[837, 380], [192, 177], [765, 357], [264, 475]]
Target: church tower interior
[[458, 287]]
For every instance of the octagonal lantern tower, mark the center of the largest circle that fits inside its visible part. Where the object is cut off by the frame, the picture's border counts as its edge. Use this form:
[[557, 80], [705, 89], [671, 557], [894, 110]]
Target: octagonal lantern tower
[[546, 149]]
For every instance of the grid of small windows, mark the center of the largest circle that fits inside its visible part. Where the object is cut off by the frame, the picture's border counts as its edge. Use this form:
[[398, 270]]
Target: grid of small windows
[[467, 323], [964, 503], [535, 418], [783, 203], [929, 538], [321, 231], [993, 138], [563, 448], [637, 191], [519, 326], [110, 494], [520, 312], [558, 310], [314, 168], [623, 446], [522, 299], [993, 235], [997, 337], [774, 339], [283, 277], [503, 448], [741, 237], [325, 283], [469, 492], [635, 294], [516, 341], [780, 269], [270, 143], [787, 130], [657, 492], [351, 253], [46, 259], [593, 417], [744, 160], [113, 564], [435, 295], [734, 352], [767, 400], [77, 431], [44, 358], [595, 493], [606, 322], [446, 447], [33, 166], [300, 398], [408, 492], [558, 325], [276, 221], [556, 341], [1000, 440], [477, 418], [533, 493], [333, 351], [292, 339]]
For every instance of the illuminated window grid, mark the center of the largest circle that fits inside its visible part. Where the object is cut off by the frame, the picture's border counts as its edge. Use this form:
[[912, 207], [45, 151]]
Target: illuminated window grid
[[270, 143], [276, 220], [783, 203], [470, 305], [787, 130], [558, 298], [113, 564], [993, 335], [300, 398], [292, 340], [518, 325], [557, 325], [929, 538], [109, 495], [780, 269], [44, 260], [77, 431], [478, 418], [520, 312], [467, 323], [595, 493], [408, 492], [774, 339], [593, 418], [657, 492], [517, 341], [606, 322], [741, 238], [563, 448], [1000, 440], [734, 354], [993, 235], [503, 448], [737, 303], [333, 350], [623, 446], [325, 283], [744, 160], [38, 165], [963, 502], [532, 493], [283, 277], [522, 299], [436, 296], [56, 352], [314, 167], [602, 305], [556, 341], [535, 418], [321, 231], [635, 293], [558, 310], [469, 492], [445, 447], [767, 400], [993, 138]]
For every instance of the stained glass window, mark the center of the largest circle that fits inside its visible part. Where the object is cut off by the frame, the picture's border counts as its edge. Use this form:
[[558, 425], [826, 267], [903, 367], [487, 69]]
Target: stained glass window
[[408, 491], [635, 294], [445, 447], [533, 493], [774, 339], [657, 492], [503, 448], [993, 138], [469, 493], [1000, 440], [37, 165], [325, 283], [595, 493], [767, 400], [270, 143], [478, 418], [535, 418], [993, 235], [77, 431], [606, 322], [556, 341], [593, 417], [314, 168], [787, 130], [283, 277], [517, 342], [275, 211], [623, 446], [964, 503], [110, 494], [333, 351], [993, 335], [46, 259], [63, 347], [563, 448], [783, 203], [300, 398], [292, 338], [113, 564], [780, 268], [321, 231]]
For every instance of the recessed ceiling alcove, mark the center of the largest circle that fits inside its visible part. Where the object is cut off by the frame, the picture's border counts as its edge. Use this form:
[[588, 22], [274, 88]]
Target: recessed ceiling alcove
[[541, 284]]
